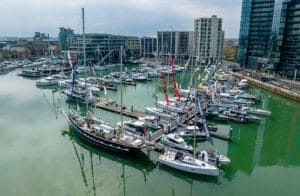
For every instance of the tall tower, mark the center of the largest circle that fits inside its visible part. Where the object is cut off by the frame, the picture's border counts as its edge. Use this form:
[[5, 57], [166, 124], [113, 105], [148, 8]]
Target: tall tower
[[263, 32], [208, 37]]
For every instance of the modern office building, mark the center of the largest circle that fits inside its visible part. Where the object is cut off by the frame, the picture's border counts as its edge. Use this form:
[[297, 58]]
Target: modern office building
[[148, 47], [105, 47], [132, 47], [290, 52], [177, 43], [269, 33], [208, 37]]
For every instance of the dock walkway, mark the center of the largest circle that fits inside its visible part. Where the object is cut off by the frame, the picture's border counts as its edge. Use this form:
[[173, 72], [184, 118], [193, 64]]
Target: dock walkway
[[104, 104], [110, 105]]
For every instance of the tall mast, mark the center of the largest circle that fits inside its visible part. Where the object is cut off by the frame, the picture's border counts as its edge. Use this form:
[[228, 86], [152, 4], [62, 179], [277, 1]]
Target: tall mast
[[83, 37], [84, 55], [121, 52]]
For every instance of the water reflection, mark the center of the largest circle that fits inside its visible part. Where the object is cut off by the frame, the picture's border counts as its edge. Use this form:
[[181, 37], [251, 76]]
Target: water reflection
[[271, 142], [89, 158]]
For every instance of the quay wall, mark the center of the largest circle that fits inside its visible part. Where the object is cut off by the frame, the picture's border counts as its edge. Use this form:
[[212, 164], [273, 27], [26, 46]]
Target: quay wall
[[270, 87]]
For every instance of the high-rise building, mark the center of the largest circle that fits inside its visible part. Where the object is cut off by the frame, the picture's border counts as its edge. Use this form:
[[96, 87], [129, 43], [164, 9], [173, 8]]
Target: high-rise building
[[269, 33], [177, 43], [208, 37], [290, 53]]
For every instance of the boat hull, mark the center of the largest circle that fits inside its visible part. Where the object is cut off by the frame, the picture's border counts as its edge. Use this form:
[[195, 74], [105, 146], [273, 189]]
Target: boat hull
[[102, 143], [189, 170]]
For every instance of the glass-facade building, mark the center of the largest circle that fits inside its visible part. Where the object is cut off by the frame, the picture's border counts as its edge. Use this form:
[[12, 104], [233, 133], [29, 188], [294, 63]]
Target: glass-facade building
[[106, 47], [265, 32], [290, 55]]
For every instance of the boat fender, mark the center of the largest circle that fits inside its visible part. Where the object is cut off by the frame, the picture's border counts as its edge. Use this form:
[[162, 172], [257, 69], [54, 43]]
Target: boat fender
[[204, 156]]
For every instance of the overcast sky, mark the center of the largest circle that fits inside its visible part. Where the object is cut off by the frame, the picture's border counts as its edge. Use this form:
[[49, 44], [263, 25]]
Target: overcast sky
[[124, 17]]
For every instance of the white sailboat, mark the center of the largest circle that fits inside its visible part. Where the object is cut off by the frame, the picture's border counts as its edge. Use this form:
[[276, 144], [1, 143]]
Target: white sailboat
[[183, 162]]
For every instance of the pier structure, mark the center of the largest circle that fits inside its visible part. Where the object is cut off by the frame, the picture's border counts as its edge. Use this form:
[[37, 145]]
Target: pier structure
[[112, 106]]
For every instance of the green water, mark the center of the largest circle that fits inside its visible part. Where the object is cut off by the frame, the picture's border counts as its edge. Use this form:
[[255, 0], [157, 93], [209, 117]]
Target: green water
[[40, 155]]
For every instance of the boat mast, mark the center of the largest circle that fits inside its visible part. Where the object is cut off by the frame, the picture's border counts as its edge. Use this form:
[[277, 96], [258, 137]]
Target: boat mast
[[83, 37], [121, 52], [84, 55]]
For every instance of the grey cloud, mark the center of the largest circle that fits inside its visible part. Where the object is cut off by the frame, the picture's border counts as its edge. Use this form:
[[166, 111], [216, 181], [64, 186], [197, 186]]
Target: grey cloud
[[129, 17]]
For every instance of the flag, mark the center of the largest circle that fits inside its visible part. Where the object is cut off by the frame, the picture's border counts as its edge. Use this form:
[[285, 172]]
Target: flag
[[199, 77], [197, 69]]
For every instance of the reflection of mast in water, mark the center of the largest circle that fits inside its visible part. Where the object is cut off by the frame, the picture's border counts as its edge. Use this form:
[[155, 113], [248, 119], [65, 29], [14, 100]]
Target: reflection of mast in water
[[52, 106], [92, 172], [123, 177], [144, 167], [81, 165]]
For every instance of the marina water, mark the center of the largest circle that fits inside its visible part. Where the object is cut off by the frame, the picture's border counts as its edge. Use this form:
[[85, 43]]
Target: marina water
[[40, 155]]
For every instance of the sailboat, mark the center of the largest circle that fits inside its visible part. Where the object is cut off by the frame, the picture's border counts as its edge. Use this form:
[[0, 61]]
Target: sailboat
[[189, 163], [76, 93], [181, 161], [95, 131]]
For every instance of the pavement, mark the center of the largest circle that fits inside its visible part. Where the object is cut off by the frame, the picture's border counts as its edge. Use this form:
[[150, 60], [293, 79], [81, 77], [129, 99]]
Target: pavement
[[277, 81]]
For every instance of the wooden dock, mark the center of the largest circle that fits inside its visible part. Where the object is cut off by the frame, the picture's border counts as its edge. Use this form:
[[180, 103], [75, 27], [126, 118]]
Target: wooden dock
[[104, 104], [110, 105]]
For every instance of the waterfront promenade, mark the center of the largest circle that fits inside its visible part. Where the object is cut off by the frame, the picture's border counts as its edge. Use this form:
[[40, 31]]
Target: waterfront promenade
[[283, 87]]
